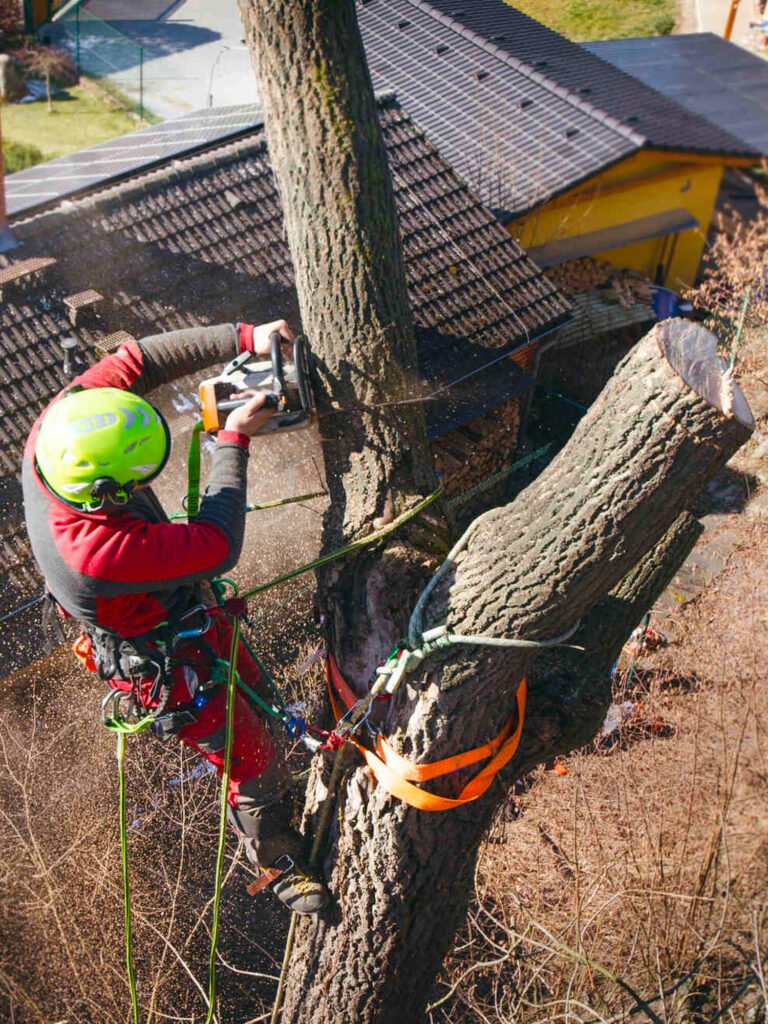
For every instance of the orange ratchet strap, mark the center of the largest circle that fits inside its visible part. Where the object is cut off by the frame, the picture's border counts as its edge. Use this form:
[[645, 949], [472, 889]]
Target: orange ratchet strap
[[397, 775]]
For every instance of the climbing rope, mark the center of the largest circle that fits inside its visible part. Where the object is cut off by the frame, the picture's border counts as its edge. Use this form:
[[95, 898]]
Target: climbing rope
[[222, 842], [348, 549], [123, 729], [740, 327]]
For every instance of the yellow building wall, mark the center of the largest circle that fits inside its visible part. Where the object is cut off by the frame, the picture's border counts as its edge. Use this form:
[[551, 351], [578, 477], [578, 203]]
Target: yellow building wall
[[644, 185]]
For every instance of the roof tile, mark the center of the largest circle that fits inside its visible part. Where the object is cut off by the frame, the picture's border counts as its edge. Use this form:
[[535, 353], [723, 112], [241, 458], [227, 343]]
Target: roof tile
[[521, 112]]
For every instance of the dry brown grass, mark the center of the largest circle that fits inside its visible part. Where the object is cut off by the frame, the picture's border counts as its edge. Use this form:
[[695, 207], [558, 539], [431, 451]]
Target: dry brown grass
[[61, 926], [631, 889]]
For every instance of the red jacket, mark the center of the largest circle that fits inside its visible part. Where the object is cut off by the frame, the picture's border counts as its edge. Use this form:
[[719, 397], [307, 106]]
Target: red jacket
[[128, 570]]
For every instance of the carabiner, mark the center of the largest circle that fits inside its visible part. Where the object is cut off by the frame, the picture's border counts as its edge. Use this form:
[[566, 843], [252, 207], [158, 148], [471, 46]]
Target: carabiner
[[187, 634]]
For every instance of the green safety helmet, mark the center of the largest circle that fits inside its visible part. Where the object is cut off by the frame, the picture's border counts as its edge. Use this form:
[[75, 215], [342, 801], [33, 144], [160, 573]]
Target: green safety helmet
[[96, 444]]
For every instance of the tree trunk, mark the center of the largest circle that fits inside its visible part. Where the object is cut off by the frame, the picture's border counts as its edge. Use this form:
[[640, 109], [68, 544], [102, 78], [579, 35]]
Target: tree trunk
[[330, 165], [531, 570], [401, 878]]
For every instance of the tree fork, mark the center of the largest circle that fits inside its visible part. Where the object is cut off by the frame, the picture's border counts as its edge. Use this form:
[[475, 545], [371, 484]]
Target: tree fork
[[665, 423]]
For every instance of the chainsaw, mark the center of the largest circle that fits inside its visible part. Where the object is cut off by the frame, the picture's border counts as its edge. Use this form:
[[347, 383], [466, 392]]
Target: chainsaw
[[285, 383]]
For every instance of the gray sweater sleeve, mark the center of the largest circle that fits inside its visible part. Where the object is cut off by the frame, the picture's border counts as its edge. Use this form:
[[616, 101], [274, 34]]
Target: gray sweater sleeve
[[176, 353], [224, 500]]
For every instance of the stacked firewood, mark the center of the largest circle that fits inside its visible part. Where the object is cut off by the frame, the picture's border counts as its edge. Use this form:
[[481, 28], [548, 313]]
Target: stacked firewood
[[483, 447], [622, 287]]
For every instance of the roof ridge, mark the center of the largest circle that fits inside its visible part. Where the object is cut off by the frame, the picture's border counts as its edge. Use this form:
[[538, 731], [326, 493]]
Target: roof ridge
[[530, 71]]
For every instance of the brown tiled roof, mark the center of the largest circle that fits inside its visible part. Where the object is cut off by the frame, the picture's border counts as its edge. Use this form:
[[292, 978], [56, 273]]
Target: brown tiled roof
[[201, 241], [520, 111]]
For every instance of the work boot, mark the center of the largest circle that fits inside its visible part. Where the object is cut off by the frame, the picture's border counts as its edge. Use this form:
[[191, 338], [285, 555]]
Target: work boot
[[299, 888], [263, 818]]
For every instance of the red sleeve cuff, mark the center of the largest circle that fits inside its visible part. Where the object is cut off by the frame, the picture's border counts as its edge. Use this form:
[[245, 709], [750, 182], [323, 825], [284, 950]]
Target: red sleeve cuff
[[245, 338], [233, 437]]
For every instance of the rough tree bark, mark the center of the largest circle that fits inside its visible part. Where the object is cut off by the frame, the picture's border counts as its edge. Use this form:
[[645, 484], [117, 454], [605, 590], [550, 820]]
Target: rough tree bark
[[578, 683], [401, 878]]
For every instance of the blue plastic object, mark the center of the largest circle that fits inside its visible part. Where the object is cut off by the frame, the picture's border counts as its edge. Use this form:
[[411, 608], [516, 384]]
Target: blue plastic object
[[666, 303], [296, 727]]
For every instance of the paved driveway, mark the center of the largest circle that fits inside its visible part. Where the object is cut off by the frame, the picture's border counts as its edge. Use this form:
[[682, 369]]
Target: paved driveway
[[713, 15], [193, 52]]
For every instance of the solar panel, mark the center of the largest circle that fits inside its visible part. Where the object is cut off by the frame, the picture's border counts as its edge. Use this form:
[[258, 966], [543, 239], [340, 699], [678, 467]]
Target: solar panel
[[703, 73], [50, 182]]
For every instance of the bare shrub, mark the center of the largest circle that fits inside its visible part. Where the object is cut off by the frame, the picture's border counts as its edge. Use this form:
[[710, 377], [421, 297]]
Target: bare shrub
[[61, 921], [49, 63], [734, 272]]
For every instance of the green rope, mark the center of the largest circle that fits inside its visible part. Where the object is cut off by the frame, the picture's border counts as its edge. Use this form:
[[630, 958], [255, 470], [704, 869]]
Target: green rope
[[124, 729], [490, 481], [355, 545], [193, 472], [563, 398], [128, 924], [278, 502], [265, 675], [221, 849], [259, 506]]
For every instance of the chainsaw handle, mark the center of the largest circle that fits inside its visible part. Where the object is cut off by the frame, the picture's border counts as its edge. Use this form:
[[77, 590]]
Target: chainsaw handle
[[271, 401], [277, 361]]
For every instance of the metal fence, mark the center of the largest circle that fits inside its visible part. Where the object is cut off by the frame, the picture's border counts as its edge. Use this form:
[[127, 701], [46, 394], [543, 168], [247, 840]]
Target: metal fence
[[101, 51]]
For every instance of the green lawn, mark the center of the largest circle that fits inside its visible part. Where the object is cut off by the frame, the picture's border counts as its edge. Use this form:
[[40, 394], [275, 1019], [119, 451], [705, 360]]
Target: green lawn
[[80, 118], [602, 19]]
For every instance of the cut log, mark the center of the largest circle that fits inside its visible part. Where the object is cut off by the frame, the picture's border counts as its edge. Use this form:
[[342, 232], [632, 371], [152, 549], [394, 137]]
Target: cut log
[[581, 680]]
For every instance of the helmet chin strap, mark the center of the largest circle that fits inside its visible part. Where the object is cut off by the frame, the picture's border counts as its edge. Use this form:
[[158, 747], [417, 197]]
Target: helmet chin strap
[[108, 490]]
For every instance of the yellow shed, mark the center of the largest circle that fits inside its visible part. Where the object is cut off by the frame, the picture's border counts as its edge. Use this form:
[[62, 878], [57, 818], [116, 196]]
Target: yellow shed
[[616, 154], [649, 213]]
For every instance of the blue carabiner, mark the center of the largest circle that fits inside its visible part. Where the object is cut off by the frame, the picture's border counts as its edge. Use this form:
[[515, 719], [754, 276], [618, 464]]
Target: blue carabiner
[[296, 727], [186, 634]]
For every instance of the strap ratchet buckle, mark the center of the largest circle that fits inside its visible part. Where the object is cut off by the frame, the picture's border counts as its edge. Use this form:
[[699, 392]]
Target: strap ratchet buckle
[[270, 874]]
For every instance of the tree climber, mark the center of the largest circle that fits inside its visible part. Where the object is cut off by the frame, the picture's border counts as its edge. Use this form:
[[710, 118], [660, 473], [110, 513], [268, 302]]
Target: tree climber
[[113, 561]]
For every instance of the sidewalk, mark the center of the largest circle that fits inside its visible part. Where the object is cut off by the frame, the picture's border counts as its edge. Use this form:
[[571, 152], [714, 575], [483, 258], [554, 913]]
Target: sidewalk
[[194, 55], [733, 497], [712, 16]]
